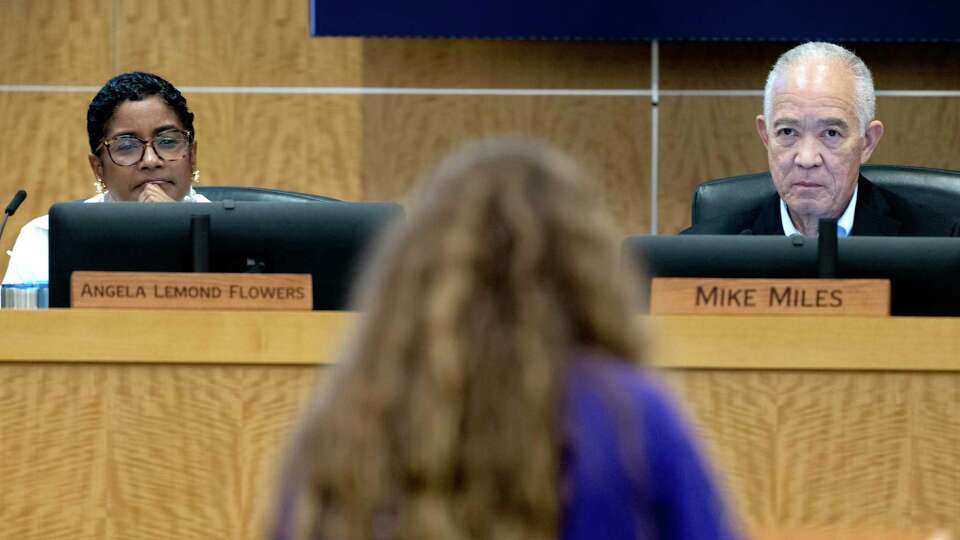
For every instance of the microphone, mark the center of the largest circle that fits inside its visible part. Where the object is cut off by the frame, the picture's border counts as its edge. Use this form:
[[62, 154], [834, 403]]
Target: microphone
[[15, 203], [827, 249], [11, 208]]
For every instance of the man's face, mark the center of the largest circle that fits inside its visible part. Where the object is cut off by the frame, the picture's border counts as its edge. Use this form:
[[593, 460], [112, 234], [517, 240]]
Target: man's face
[[814, 141]]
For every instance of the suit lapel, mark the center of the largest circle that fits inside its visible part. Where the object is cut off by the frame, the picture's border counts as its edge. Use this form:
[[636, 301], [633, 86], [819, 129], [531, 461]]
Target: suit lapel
[[871, 218], [768, 221], [872, 215]]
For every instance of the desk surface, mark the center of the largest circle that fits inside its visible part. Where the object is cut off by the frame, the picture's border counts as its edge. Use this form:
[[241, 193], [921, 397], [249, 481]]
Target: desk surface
[[300, 338]]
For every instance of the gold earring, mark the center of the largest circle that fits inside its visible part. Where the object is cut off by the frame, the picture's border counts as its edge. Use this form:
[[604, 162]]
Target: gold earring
[[99, 186], [196, 176]]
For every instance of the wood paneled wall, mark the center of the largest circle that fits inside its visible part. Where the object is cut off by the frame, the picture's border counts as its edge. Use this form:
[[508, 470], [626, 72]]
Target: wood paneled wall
[[373, 146]]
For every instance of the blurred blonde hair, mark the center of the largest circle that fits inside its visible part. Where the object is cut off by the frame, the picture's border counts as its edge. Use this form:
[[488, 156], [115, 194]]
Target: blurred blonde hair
[[443, 417]]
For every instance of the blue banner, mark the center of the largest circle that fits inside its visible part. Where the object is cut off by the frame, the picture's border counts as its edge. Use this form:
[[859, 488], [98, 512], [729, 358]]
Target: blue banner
[[797, 20]]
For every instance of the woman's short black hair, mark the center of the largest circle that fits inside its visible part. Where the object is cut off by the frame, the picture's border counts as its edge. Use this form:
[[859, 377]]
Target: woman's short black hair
[[134, 86]]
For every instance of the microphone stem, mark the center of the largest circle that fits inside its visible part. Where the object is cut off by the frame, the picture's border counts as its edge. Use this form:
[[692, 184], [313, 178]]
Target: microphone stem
[[3, 225]]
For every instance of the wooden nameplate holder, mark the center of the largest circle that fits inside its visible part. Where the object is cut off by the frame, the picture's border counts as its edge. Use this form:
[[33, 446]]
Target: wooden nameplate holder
[[185, 290], [708, 296]]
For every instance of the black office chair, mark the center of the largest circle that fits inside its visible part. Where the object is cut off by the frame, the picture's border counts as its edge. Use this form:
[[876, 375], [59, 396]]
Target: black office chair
[[240, 193], [934, 188]]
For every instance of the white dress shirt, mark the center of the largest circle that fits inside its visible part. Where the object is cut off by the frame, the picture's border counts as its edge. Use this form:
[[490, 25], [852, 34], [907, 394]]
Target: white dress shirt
[[30, 254], [844, 224]]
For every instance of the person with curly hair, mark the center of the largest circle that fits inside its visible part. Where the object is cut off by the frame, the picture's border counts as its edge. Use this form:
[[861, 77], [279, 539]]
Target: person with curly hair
[[492, 389]]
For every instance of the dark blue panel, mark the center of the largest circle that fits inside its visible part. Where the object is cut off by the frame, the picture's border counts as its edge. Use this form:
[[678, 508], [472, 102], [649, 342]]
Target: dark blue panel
[[838, 20]]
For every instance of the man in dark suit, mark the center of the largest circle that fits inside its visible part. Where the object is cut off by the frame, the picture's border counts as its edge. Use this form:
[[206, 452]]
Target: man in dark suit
[[877, 212], [818, 127]]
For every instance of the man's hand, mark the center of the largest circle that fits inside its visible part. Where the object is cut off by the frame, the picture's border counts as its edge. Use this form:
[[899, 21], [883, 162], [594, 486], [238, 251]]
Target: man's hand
[[153, 193]]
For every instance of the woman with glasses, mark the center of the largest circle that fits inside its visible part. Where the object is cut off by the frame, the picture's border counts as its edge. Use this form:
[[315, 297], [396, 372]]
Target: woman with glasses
[[492, 389], [143, 148]]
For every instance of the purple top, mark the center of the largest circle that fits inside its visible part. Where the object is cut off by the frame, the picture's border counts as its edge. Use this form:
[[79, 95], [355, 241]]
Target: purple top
[[632, 468]]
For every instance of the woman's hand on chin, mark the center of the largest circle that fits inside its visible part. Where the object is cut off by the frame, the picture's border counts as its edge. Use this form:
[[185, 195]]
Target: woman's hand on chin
[[154, 193]]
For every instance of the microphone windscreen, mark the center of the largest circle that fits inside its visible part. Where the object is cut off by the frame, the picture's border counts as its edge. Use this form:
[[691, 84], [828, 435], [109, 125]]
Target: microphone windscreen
[[15, 202]]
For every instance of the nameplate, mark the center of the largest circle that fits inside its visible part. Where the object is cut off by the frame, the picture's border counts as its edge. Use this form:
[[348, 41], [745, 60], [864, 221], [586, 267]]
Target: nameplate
[[705, 296], [180, 290]]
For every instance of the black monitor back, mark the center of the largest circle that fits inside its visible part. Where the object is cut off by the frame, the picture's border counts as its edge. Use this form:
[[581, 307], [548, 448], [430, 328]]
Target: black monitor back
[[325, 239], [924, 272]]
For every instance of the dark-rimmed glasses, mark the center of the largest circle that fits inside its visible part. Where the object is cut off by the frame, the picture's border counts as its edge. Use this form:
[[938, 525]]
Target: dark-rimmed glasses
[[127, 150]]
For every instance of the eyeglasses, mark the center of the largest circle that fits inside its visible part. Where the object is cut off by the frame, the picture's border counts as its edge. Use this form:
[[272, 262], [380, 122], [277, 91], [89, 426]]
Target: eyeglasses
[[127, 150]]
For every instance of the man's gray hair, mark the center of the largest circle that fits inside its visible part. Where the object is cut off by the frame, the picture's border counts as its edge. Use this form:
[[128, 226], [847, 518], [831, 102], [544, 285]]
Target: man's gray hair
[[865, 99]]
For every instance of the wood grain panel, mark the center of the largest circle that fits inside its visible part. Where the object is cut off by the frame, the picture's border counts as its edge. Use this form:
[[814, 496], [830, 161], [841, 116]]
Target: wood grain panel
[[161, 451], [915, 344], [859, 462], [912, 66], [46, 155], [505, 64], [309, 143], [52, 452], [717, 65], [238, 337], [702, 138], [858, 343], [233, 43], [935, 436], [837, 533], [114, 451], [738, 429], [919, 131], [55, 41], [832, 451], [224, 428], [744, 66], [406, 135]]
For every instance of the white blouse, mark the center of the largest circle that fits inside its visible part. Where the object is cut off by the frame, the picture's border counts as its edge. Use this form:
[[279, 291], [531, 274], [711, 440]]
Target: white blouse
[[30, 254]]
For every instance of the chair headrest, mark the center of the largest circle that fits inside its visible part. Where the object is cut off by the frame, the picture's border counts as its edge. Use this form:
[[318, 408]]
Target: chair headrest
[[242, 193], [937, 189]]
